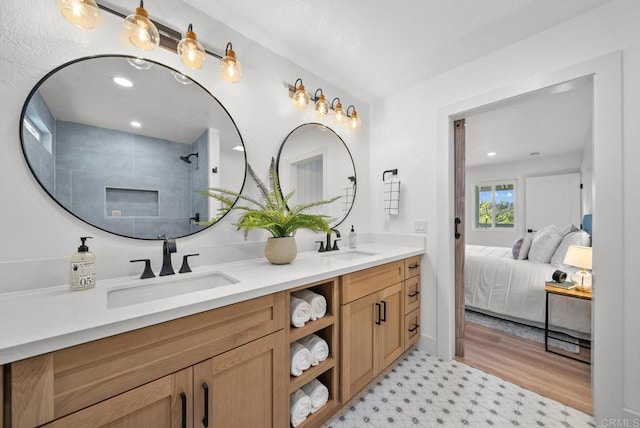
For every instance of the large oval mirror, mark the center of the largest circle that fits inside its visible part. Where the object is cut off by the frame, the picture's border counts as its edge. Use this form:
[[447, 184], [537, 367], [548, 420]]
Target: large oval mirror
[[125, 144], [315, 162]]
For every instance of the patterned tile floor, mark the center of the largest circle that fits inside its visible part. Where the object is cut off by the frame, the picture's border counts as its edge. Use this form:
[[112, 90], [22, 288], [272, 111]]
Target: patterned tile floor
[[422, 391]]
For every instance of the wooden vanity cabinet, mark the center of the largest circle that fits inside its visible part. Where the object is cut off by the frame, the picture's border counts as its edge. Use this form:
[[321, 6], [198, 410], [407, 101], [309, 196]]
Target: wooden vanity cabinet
[[143, 373], [411, 301], [372, 324]]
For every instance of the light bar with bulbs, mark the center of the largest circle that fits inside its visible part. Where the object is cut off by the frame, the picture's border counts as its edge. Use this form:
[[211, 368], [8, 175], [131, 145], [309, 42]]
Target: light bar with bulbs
[[146, 34], [301, 100]]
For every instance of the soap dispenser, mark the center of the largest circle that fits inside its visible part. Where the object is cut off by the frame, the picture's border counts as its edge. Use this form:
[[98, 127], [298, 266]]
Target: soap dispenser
[[352, 238], [83, 267]]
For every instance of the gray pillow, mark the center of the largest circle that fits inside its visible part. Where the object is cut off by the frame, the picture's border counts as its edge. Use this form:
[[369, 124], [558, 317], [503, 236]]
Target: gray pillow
[[525, 247], [568, 229], [579, 237], [515, 249], [544, 245]]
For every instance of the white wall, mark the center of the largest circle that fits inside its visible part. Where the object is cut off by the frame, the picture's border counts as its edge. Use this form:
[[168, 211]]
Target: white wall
[[38, 236], [534, 167], [405, 135]]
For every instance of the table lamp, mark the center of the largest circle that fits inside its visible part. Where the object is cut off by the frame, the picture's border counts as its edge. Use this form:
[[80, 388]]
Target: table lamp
[[579, 256]]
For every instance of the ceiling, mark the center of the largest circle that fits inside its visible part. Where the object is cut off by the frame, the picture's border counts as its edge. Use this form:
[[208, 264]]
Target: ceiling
[[378, 47], [550, 122]]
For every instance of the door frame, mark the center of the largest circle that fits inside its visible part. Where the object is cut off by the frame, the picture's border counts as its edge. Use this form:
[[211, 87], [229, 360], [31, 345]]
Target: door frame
[[607, 376]]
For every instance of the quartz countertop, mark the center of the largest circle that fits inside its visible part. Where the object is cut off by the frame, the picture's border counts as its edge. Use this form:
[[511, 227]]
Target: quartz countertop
[[45, 320]]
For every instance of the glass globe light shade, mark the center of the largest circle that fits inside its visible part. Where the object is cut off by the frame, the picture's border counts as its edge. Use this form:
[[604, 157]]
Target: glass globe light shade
[[141, 32], [340, 117], [191, 51], [301, 98], [354, 121], [230, 67], [322, 107], [81, 13]]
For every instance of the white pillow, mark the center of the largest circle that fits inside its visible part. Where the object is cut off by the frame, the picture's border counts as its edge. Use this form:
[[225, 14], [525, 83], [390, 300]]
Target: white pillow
[[544, 245], [579, 237], [550, 227], [525, 247], [568, 229]]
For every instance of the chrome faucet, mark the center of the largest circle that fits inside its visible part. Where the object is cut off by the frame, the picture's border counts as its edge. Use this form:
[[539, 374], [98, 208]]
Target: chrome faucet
[[168, 247], [328, 246]]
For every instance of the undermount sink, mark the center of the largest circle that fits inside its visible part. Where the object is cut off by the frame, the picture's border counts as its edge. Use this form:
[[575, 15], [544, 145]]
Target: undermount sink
[[349, 254], [140, 291]]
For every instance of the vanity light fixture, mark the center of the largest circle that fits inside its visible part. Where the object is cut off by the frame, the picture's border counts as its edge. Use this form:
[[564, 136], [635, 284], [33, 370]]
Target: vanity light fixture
[[230, 67], [81, 13], [322, 106], [191, 50], [340, 116], [145, 34], [141, 31], [300, 98], [181, 78], [354, 123]]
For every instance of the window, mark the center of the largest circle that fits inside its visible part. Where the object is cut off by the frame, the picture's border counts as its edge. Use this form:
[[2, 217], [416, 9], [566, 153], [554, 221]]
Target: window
[[495, 205]]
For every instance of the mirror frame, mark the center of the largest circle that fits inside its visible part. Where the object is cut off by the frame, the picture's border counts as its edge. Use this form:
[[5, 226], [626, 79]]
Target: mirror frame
[[355, 189], [74, 61]]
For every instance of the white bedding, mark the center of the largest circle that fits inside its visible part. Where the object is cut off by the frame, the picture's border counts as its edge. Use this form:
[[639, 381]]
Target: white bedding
[[514, 289]]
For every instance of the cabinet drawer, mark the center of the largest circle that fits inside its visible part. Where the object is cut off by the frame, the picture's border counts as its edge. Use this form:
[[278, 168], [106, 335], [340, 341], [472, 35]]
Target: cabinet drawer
[[356, 285], [411, 294], [56, 384], [411, 328], [412, 266]]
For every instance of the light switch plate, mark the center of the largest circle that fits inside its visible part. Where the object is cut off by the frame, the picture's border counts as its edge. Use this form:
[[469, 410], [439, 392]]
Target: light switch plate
[[420, 226]]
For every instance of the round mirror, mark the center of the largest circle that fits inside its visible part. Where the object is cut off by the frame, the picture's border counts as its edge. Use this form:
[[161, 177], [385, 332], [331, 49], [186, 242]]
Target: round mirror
[[315, 162], [125, 145]]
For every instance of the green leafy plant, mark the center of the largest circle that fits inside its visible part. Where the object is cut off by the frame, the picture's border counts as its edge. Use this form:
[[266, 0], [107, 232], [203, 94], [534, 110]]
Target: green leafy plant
[[273, 213]]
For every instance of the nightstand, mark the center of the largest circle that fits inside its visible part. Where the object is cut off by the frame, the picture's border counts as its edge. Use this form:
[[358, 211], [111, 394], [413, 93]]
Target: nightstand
[[582, 343]]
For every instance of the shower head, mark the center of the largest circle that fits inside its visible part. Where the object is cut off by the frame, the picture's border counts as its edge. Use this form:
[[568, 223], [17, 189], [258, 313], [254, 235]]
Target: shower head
[[186, 158]]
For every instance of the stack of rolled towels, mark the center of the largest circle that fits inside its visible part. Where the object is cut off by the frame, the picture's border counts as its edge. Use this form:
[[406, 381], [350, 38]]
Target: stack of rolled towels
[[307, 306], [307, 400], [308, 351]]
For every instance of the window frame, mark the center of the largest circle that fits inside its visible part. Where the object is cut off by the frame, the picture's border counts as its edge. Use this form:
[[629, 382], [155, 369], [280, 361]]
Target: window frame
[[476, 205]]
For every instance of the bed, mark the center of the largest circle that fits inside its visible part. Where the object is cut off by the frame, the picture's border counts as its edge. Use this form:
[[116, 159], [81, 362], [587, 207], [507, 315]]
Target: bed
[[498, 285]]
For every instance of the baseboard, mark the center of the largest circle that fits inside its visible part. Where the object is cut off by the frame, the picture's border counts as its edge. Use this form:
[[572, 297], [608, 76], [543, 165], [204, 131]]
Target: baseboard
[[427, 344]]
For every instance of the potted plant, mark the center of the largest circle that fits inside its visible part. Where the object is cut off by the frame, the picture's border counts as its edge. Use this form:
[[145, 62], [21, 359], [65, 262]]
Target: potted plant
[[273, 215]]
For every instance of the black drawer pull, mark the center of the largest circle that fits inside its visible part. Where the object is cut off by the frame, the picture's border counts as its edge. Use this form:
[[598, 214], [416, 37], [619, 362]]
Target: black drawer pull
[[414, 294], [384, 311], [205, 420], [414, 266], [378, 313], [417, 326], [183, 397]]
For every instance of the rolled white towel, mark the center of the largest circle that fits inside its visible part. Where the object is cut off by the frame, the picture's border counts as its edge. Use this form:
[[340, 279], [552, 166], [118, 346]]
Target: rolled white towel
[[318, 394], [300, 312], [317, 346], [317, 301], [300, 358], [300, 407]]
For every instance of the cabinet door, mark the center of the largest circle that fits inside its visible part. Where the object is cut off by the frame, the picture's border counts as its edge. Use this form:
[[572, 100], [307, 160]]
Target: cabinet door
[[163, 403], [390, 331], [244, 387], [359, 342]]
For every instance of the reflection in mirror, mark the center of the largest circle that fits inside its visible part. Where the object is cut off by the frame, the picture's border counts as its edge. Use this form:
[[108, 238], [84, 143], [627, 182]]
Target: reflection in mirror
[[315, 162], [126, 147]]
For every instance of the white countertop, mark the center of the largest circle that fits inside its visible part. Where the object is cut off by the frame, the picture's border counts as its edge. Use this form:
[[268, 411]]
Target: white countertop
[[40, 321]]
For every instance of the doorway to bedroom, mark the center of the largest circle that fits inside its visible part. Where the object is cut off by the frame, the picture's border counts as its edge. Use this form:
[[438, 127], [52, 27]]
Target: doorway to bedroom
[[523, 165]]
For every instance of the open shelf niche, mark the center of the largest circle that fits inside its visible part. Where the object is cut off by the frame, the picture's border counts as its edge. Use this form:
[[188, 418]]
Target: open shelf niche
[[327, 371]]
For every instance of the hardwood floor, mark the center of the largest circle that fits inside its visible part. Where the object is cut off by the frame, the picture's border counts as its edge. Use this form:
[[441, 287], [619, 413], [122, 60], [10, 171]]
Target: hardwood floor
[[526, 364]]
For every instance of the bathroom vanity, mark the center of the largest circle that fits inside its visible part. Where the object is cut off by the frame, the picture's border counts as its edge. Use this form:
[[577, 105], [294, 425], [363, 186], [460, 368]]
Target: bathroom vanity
[[216, 357]]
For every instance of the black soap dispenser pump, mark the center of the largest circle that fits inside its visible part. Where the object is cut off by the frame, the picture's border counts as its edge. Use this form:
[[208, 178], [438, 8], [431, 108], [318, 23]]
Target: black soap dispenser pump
[[83, 267]]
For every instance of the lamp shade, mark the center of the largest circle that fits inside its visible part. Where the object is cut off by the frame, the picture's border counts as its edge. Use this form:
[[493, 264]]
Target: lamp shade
[[579, 256], [81, 13]]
